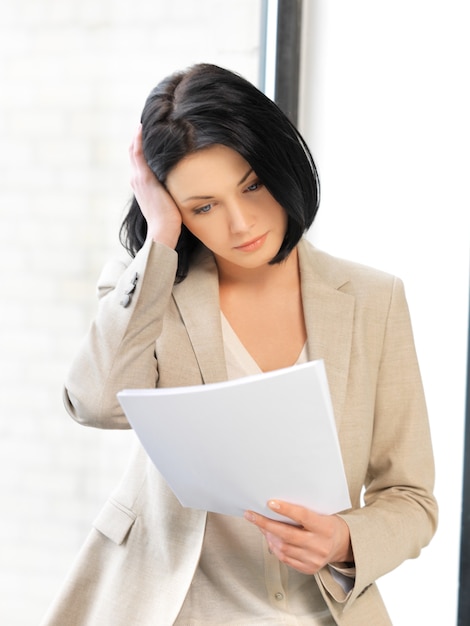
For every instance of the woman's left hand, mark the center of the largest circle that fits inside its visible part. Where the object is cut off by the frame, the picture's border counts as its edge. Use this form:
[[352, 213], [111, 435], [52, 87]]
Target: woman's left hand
[[312, 543]]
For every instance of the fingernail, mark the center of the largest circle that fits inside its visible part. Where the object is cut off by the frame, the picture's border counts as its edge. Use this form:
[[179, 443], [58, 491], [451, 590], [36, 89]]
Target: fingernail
[[274, 505], [249, 516]]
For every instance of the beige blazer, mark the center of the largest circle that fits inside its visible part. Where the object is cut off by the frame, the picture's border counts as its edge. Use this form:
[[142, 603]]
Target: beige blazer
[[140, 557]]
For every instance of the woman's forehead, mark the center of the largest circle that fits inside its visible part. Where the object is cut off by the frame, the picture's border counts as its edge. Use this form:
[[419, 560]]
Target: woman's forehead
[[207, 166]]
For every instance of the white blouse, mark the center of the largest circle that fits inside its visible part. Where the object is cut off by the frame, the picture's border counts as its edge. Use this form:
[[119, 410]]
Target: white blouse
[[238, 582]]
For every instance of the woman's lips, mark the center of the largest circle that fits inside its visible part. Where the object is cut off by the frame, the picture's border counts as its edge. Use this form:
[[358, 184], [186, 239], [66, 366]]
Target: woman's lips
[[252, 245]]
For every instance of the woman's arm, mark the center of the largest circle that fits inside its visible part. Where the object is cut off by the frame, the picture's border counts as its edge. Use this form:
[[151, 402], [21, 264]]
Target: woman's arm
[[400, 512], [399, 516], [161, 213], [119, 349]]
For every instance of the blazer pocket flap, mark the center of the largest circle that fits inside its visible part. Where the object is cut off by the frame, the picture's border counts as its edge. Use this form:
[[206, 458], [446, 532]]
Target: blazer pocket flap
[[114, 521]]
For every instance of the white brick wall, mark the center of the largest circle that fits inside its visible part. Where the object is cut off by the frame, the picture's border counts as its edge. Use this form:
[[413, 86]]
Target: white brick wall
[[73, 79]]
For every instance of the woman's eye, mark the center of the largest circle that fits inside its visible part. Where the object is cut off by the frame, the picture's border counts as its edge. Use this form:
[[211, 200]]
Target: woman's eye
[[204, 209], [253, 186]]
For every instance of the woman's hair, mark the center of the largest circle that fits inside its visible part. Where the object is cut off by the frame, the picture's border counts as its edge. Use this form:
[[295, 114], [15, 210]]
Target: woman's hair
[[207, 105]]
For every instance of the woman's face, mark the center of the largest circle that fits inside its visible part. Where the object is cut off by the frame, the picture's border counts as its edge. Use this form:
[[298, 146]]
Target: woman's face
[[225, 205]]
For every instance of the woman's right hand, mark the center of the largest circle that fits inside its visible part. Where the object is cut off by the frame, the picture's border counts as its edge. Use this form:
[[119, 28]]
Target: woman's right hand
[[158, 207]]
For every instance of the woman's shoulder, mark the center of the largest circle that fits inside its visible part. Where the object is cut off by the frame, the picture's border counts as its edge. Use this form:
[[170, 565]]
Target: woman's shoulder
[[344, 274]]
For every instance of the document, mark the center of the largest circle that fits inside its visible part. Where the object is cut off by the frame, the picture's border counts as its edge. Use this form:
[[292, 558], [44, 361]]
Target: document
[[231, 446]]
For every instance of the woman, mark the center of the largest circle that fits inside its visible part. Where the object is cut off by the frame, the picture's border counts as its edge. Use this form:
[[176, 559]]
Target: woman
[[221, 284]]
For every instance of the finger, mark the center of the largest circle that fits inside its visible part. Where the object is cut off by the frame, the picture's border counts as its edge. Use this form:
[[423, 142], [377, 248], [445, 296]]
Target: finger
[[304, 558], [299, 514], [133, 143], [141, 174], [303, 566], [286, 532], [138, 145], [137, 138]]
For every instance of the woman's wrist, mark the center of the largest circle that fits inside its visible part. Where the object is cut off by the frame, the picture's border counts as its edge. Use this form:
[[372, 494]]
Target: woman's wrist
[[165, 236], [344, 553]]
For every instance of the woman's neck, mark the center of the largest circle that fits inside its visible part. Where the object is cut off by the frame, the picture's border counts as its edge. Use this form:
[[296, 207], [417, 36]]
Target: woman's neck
[[264, 308]]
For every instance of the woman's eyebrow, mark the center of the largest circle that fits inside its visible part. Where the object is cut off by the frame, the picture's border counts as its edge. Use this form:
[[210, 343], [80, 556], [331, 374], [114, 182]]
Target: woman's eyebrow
[[245, 177], [197, 198]]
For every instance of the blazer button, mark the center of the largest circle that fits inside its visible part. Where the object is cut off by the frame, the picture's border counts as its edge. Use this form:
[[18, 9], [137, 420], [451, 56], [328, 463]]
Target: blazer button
[[125, 301], [129, 291]]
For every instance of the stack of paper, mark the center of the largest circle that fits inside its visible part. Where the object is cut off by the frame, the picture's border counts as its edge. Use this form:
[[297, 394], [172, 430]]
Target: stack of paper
[[228, 447]]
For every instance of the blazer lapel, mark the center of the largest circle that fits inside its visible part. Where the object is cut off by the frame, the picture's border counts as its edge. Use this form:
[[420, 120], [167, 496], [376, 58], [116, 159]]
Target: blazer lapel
[[329, 317], [197, 299]]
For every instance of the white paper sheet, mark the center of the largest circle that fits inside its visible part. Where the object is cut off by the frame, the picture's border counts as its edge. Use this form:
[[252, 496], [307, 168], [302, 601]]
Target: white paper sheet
[[232, 446]]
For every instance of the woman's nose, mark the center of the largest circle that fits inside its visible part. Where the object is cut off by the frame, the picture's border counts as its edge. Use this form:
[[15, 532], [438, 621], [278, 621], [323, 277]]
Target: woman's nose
[[239, 219]]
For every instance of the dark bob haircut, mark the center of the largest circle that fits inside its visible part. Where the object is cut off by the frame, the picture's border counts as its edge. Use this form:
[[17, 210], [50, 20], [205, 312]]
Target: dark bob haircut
[[207, 105]]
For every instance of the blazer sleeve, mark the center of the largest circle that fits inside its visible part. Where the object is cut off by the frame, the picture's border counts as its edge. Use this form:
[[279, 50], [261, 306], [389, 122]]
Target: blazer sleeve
[[119, 350], [399, 515]]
